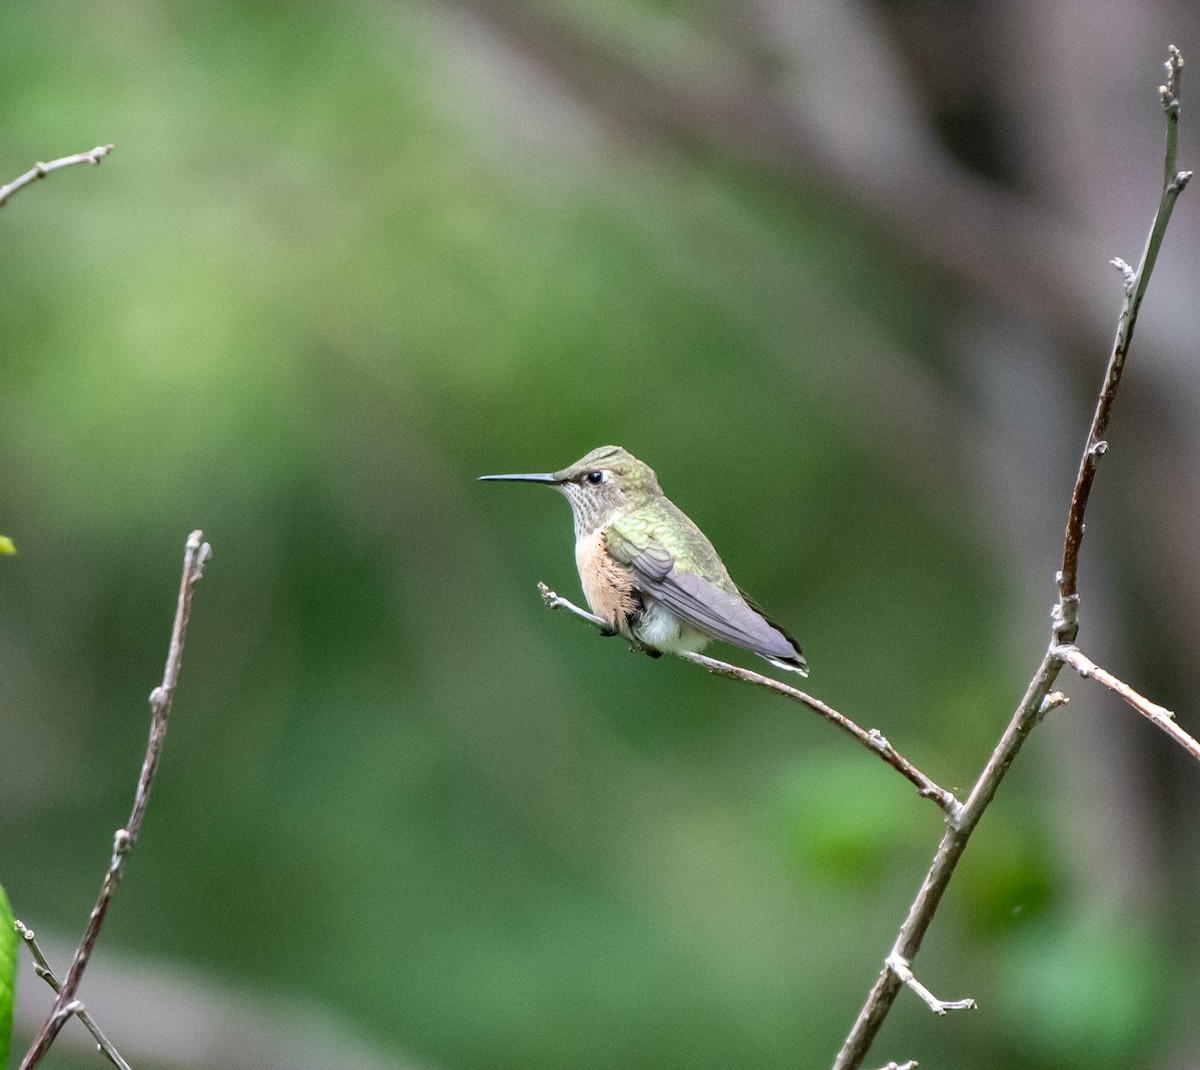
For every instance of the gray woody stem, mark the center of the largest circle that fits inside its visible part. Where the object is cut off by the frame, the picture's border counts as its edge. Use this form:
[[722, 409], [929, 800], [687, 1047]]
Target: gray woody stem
[[41, 170], [1135, 289], [873, 739], [1038, 696], [196, 554], [44, 970], [1157, 715]]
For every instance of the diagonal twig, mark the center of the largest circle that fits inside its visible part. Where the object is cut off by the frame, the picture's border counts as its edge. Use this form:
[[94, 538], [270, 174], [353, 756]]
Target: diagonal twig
[[196, 555], [1157, 715], [872, 739], [41, 170]]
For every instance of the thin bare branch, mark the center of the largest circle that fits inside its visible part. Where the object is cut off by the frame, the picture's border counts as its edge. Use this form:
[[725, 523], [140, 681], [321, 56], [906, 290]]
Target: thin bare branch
[[1135, 289], [954, 842], [196, 555], [1039, 698], [1157, 715], [43, 969], [872, 739], [903, 972], [41, 170], [556, 601]]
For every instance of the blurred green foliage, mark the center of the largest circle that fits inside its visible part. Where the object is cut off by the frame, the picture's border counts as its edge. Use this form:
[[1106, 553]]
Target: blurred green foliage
[[334, 270], [8, 973], [1112, 971]]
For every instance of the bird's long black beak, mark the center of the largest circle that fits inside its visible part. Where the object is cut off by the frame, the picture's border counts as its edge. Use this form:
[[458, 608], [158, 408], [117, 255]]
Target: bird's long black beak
[[525, 477]]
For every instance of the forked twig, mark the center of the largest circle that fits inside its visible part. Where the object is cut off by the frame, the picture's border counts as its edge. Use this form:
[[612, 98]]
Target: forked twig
[[904, 974], [196, 555], [1038, 697], [42, 967]]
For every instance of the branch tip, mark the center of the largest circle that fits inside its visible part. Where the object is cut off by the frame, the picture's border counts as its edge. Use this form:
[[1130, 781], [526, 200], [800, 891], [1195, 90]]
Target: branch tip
[[1174, 67], [1052, 701], [197, 554], [1126, 271], [1157, 715], [41, 170], [900, 967]]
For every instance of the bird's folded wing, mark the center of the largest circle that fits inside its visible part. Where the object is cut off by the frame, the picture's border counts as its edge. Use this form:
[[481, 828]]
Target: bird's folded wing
[[703, 604]]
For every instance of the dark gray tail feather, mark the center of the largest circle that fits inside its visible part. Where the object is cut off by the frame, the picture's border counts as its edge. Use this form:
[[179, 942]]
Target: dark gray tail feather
[[793, 663]]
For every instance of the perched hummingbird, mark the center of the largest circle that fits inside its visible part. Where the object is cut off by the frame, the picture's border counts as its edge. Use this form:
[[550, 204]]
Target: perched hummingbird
[[648, 571]]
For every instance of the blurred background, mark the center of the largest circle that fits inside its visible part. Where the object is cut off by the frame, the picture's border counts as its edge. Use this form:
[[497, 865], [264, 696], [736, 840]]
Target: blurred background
[[838, 271]]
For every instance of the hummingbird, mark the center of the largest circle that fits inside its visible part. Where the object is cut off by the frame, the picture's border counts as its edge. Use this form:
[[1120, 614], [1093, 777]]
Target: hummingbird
[[648, 571]]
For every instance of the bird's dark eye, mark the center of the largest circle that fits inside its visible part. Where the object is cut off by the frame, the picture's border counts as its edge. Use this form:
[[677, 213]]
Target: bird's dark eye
[[595, 477]]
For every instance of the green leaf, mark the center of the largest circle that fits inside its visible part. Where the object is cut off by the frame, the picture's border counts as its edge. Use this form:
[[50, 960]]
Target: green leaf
[[8, 973], [6, 547]]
